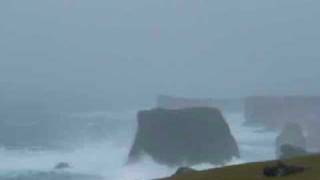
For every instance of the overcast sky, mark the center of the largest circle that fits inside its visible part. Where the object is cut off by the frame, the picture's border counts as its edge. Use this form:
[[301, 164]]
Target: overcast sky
[[133, 49]]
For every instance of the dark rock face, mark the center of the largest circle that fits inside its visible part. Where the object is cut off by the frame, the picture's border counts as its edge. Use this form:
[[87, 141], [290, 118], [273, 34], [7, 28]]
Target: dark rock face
[[274, 112], [289, 151], [170, 102], [291, 134], [184, 137], [281, 169]]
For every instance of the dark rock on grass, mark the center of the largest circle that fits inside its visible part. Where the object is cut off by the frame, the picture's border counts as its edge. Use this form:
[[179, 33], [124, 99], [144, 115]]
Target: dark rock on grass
[[282, 169], [184, 137]]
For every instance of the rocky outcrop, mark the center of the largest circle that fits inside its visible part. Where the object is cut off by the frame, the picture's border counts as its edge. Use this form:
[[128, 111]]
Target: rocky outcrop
[[171, 102], [289, 151], [274, 112], [292, 134], [282, 169], [184, 137]]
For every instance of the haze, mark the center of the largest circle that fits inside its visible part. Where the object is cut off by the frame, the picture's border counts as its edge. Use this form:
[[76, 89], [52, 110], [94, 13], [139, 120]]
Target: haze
[[115, 52]]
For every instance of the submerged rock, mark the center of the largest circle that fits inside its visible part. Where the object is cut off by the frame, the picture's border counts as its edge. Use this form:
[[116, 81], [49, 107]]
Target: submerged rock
[[62, 165], [184, 137]]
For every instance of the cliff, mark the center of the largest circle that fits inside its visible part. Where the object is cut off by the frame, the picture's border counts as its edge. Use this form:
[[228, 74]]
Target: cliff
[[227, 104], [274, 112], [184, 137]]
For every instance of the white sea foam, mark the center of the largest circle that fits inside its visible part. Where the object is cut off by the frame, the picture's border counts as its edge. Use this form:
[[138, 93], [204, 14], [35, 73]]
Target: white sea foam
[[108, 158]]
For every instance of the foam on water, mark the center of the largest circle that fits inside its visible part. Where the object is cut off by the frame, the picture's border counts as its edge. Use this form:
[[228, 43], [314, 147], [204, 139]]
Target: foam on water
[[108, 158], [254, 144]]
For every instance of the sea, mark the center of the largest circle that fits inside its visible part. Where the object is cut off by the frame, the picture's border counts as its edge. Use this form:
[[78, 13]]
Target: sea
[[106, 159]]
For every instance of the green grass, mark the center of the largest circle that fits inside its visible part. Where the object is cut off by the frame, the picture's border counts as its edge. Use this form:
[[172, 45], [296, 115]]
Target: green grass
[[253, 171]]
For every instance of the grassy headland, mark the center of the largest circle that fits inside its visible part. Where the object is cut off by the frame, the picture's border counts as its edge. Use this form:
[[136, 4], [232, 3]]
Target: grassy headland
[[253, 171]]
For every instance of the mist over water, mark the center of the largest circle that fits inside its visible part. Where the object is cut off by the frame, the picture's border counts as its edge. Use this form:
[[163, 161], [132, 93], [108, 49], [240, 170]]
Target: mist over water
[[254, 145], [108, 158], [64, 56]]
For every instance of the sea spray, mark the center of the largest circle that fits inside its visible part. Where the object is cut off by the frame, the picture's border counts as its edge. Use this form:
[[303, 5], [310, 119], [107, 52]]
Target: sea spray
[[108, 158]]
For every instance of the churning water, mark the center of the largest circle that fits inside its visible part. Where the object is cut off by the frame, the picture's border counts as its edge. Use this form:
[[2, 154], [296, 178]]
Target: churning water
[[107, 159]]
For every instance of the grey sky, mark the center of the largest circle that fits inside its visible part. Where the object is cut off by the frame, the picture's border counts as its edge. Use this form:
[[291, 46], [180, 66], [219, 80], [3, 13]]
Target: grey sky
[[136, 49]]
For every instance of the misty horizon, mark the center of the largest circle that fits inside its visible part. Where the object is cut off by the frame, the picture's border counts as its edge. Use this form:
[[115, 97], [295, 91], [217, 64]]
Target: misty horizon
[[132, 51], [137, 90]]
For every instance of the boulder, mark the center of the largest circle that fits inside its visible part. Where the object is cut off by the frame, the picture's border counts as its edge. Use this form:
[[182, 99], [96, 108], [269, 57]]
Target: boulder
[[282, 169], [183, 137], [291, 134]]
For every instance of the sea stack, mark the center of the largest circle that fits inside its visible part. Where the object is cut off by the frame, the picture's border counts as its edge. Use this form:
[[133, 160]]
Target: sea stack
[[291, 135], [184, 137]]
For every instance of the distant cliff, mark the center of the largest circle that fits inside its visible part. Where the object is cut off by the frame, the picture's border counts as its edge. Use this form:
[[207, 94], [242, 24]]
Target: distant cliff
[[171, 102], [184, 137], [274, 112]]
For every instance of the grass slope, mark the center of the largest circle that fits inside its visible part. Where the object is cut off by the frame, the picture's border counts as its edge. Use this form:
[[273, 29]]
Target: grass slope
[[253, 171]]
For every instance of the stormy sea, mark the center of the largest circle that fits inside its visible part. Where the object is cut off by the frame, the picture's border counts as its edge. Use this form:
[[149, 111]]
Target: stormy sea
[[106, 158]]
